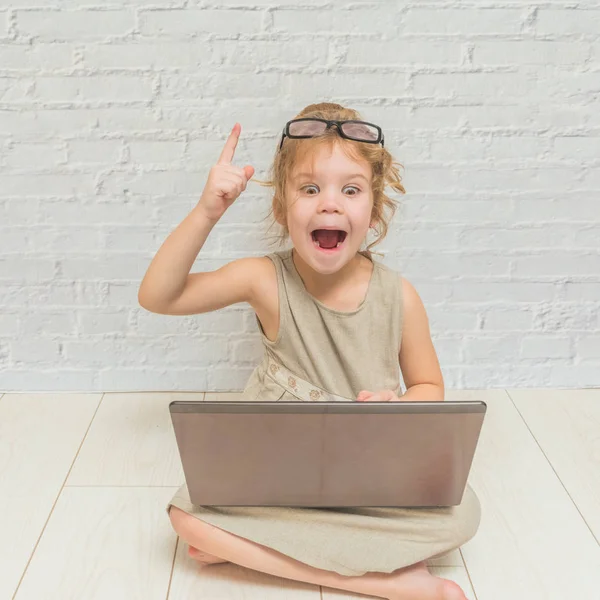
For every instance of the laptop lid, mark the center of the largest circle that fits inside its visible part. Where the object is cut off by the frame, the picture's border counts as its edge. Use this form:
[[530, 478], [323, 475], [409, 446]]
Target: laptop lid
[[327, 454]]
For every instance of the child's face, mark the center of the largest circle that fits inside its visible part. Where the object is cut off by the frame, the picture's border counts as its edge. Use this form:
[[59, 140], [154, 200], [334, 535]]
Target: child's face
[[334, 196]]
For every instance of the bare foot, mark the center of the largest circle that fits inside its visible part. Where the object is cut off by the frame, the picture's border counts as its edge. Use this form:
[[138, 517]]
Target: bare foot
[[203, 557], [417, 583]]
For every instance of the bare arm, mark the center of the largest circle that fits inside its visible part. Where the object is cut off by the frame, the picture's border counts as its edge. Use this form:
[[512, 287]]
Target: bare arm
[[167, 274], [418, 360], [168, 287], [423, 391]]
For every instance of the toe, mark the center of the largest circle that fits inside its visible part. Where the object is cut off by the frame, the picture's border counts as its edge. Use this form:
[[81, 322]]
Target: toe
[[452, 591], [204, 557]]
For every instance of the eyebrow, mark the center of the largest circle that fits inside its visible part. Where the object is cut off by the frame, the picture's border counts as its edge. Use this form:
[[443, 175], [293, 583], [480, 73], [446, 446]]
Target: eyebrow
[[350, 176]]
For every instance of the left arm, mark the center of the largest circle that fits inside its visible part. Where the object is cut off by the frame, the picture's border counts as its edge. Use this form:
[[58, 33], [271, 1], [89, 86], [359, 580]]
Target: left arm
[[418, 360]]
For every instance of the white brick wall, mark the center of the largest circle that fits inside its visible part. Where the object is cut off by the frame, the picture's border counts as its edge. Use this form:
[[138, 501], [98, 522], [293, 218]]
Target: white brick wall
[[111, 116]]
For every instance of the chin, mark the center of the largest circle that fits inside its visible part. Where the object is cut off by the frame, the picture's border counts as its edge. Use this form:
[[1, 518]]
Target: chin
[[325, 264]]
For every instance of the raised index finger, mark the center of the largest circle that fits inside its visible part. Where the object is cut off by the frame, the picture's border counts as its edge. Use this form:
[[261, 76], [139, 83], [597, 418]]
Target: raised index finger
[[230, 145]]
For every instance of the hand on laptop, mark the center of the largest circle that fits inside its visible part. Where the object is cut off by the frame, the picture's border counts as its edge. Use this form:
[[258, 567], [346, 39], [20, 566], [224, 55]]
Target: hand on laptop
[[380, 396]]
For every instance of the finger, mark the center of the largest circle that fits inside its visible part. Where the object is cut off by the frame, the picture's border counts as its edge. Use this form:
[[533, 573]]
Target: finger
[[230, 146], [382, 396], [234, 179], [364, 394], [234, 172], [234, 189], [231, 180], [249, 172], [371, 397], [246, 174]]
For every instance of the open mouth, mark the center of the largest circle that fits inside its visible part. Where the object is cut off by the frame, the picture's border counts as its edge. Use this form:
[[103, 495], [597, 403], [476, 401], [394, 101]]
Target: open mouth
[[328, 239]]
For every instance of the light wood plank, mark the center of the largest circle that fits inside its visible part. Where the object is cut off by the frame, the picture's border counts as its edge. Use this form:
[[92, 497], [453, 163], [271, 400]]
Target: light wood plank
[[532, 542], [232, 582], [40, 435], [104, 543], [328, 593], [335, 594], [566, 424], [451, 559], [131, 442]]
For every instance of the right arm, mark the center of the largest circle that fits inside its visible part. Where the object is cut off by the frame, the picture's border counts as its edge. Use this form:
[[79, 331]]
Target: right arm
[[168, 286]]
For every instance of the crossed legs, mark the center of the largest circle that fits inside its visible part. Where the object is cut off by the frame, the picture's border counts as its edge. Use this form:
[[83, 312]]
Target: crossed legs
[[210, 544]]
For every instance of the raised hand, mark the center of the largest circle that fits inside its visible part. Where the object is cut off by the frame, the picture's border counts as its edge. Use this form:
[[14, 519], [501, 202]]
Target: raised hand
[[225, 182]]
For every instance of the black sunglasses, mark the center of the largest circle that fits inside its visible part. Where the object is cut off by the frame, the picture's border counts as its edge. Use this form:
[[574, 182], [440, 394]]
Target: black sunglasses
[[307, 127]]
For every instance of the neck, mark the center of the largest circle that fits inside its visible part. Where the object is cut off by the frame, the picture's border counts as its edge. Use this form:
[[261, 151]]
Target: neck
[[318, 284]]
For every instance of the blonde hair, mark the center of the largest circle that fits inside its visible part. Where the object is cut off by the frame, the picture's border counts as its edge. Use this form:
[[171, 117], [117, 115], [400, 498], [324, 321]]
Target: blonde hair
[[293, 151]]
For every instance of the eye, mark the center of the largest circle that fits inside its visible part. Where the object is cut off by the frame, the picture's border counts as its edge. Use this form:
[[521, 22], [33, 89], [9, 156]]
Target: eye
[[307, 187], [353, 187]]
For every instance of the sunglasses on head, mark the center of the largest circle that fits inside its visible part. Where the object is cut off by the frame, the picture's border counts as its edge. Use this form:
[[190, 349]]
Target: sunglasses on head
[[307, 127]]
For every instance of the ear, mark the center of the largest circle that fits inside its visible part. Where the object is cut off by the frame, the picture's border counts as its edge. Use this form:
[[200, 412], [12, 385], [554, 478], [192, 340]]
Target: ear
[[279, 217]]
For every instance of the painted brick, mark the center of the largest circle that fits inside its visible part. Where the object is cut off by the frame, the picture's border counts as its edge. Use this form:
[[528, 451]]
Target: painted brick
[[111, 118]]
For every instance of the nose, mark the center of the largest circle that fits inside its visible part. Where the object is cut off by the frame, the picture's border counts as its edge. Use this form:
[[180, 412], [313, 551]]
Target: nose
[[330, 202]]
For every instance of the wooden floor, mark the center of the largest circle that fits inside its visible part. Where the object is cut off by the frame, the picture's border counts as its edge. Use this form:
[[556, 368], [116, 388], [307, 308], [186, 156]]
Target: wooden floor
[[84, 480]]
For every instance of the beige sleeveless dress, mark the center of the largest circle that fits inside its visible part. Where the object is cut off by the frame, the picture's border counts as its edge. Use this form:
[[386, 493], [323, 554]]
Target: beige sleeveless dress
[[322, 354]]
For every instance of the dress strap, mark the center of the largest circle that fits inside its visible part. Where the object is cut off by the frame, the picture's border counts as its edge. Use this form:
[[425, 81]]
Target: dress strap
[[301, 389]]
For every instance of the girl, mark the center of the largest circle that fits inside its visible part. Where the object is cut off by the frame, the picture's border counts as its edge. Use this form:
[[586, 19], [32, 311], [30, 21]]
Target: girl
[[331, 319]]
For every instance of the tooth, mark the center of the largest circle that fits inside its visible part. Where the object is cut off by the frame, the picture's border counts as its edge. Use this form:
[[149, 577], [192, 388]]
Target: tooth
[[338, 244]]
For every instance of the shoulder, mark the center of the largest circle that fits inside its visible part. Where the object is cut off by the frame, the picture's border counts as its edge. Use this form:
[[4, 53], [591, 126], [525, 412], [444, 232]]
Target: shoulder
[[413, 309], [256, 275], [409, 297], [413, 305], [250, 268], [263, 272], [392, 278], [264, 289]]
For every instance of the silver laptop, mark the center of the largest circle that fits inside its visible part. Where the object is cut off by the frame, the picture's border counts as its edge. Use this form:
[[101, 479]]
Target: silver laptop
[[327, 454]]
